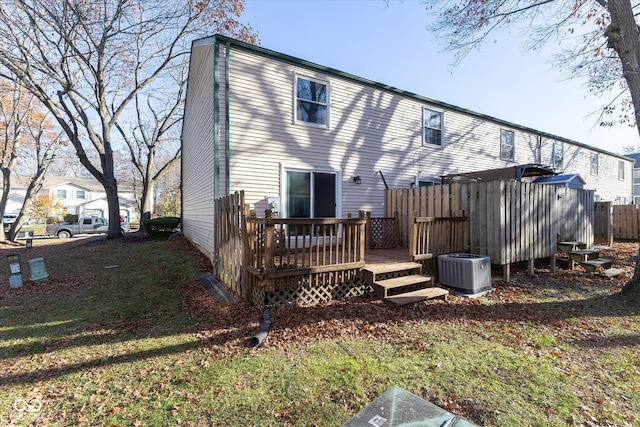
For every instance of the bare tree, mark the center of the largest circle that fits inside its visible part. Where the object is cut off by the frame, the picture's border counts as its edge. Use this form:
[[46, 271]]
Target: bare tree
[[604, 33], [97, 57], [27, 136]]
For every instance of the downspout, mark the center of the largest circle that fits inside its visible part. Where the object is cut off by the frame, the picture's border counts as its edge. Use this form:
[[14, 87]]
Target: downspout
[[216, 121], [264, 328], [383, 180], [226, 119]]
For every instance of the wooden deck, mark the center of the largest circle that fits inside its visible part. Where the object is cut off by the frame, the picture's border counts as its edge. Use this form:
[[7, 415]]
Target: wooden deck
[[385, 256]]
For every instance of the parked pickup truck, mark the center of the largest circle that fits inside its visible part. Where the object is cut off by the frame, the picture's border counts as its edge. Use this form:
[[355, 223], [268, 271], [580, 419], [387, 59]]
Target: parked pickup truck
[[88, 225]]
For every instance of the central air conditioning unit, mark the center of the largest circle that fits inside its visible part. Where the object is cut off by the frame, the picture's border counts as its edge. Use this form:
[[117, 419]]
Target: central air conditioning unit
[[467, 274]]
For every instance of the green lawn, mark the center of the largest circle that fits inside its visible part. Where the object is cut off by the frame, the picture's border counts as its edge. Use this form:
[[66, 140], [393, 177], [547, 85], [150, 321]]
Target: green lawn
[[122, 333]]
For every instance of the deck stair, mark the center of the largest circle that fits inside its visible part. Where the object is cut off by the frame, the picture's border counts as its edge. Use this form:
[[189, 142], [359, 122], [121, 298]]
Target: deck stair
[[401, 283], [592, 265]]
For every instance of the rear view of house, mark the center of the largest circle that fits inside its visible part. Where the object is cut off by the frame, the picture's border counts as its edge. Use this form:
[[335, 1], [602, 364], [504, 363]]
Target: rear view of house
[[308, 141]]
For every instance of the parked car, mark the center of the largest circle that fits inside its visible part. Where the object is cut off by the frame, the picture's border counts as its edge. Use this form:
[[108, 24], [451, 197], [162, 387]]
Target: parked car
[[8, 219], [88, 225]]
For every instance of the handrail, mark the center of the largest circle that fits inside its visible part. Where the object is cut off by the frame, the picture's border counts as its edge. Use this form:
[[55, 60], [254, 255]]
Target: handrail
[[433, 236], [285, 247]]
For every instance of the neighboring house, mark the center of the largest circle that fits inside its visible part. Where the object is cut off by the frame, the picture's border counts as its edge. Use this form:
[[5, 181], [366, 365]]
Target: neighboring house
[[309, 141], [79, 196], [636, 177]]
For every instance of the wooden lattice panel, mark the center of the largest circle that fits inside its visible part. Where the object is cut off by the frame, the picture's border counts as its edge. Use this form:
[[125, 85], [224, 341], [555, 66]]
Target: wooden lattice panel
[[308, 294], [383, 233], [430, 267]]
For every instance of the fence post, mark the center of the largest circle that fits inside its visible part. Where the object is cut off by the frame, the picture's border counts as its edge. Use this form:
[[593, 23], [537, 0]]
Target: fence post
[[368, 229], [269, 242], [413, 234], [247, 252]]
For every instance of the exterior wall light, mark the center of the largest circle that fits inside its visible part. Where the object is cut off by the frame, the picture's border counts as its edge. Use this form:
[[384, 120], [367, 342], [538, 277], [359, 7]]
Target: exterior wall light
[[357, 180]]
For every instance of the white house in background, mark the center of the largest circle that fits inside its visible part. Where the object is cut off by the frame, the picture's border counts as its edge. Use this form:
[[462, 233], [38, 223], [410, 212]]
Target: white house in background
[[311, 141], [79, 196]]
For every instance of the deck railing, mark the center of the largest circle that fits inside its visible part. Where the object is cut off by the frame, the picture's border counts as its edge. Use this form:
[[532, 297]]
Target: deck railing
[[280, 248], [433, 236]]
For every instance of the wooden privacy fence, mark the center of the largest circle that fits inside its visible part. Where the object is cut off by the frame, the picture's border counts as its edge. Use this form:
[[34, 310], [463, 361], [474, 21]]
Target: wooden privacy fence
[[282, 252], [431, 237], [228, 254], [509, 221], [603, 223], [625, 222]]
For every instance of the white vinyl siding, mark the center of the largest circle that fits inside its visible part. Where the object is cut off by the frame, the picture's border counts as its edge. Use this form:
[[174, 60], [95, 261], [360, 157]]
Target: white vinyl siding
[[374, 133], [197, 152]]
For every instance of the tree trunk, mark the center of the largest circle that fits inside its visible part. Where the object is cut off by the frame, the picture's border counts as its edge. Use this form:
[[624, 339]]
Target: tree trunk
[[631, 289], [115, 229], [623, 36], [146, 202]]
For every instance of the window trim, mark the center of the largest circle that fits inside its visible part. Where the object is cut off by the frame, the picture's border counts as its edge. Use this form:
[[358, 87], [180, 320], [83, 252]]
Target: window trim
[[591, 164], [620, 170], [61, 191], [424, 128], [557, 145], [296, 119], [433, 181], [504, 132]]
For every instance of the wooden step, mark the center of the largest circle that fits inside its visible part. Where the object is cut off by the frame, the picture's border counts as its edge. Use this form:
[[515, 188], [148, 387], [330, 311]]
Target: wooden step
[[583, 255], [419, 295], [369, 272], [592, 265], [382, 287], [567, 247], [613, 272]]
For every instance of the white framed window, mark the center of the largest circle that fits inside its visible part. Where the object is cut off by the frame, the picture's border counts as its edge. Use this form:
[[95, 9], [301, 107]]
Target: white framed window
[[636, 200], [594, 163], [636, 176], [620, 170], [311, 101], [538, 153], [422, 181], [433, 124], [80, 194], [61, 194], [507, 146], [557, 156]]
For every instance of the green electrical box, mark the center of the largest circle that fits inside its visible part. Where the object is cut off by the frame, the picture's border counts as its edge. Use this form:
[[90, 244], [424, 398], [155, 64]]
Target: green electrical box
[[15, 272], [37, 269]]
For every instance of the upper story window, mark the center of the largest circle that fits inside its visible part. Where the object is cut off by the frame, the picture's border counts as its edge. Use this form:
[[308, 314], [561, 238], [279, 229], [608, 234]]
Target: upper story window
[[426, 182], [620, 170], [636, 176], [594, 163], [507, 147], [80, 194], [312, 102], [433, 123], [538, 153], [61, 194], [557, 156]]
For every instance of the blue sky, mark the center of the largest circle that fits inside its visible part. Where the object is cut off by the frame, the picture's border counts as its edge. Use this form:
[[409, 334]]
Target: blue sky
[[388, 42]]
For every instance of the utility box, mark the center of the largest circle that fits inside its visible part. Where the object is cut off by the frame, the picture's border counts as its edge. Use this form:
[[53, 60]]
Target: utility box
[[467, 274], [15, 272], [37, 269]]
